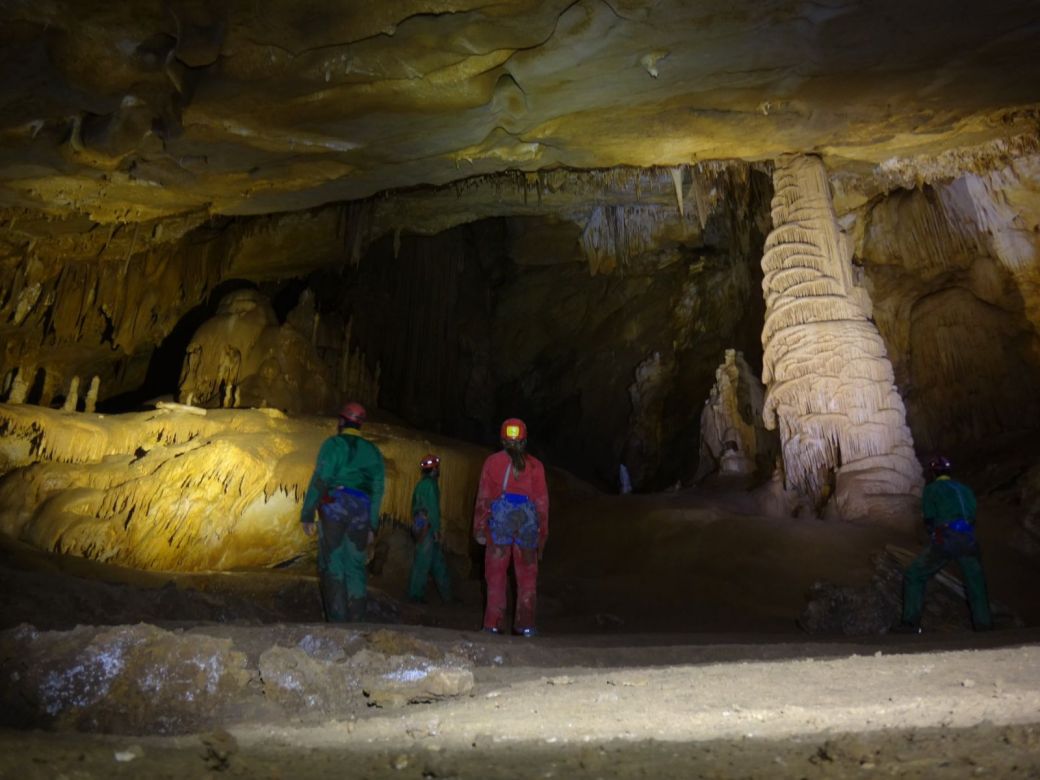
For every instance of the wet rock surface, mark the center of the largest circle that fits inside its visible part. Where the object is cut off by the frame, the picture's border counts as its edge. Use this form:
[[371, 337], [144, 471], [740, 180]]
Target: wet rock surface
[[174, 108], [143, 679], [126, 679]]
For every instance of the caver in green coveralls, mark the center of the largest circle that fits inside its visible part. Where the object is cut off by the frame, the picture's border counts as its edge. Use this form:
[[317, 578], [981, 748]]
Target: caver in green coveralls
[[949, 513], [347, 490], [429, 556]]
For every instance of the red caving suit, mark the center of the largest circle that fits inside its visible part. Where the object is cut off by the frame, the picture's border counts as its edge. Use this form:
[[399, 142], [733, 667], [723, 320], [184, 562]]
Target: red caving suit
[[500, 482]]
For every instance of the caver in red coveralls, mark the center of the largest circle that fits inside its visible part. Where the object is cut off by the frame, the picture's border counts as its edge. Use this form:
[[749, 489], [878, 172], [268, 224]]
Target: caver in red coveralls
[[512, 518]]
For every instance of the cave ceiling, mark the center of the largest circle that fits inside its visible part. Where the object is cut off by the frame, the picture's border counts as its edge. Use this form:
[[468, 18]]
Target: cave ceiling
[[131, 112]]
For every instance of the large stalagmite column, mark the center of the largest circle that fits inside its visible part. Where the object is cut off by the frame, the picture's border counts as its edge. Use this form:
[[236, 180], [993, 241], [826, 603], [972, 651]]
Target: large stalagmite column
[[830, 387]]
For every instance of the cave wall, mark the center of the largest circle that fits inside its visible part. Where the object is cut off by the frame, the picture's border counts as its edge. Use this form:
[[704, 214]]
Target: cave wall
[[954, 270], [549, 311], [79, 299], [420, 306], [610, 358], [596, 303], [121, 301]]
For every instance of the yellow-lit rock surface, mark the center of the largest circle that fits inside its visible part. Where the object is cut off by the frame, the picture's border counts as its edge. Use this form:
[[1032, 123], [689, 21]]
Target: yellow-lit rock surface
[[443, 177], [234, 108], [188, 489]]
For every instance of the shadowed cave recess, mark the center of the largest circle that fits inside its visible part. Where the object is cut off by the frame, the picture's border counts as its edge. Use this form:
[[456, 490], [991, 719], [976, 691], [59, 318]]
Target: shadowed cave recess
[[741, 269]]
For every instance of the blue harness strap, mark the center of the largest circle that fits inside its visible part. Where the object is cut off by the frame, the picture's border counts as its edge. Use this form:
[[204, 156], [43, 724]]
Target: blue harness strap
[[514, 519], [348, 508]]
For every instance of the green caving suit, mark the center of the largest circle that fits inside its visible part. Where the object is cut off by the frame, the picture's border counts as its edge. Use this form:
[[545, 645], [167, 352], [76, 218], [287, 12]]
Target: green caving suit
[[345, 461], [943, 502], [429, 556]]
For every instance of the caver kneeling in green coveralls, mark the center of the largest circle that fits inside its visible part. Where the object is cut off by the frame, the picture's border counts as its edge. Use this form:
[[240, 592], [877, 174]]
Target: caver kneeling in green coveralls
[[347, 490], [426, 528]]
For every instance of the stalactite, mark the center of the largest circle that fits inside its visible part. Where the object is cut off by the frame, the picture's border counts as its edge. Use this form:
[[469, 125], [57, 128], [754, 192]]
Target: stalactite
[[358, 229], [67, 290], [614, 235], [677, 179], [830, 385]]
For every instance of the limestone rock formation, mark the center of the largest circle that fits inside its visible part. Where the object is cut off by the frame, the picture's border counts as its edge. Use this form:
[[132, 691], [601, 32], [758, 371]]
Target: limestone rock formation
[[242, 357], [142, 679], [183, 106], [953, 268], [642, 453], [830, 387], [187, 489], [734, 440], [322, 677], [123, 679], [78, 299], [443, 178]]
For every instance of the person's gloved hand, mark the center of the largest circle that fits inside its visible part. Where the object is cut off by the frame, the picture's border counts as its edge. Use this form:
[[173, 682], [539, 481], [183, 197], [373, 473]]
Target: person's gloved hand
[[309, 528]]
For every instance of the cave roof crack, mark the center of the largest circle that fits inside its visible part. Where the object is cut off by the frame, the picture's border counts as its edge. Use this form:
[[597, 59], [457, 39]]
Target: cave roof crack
[[393, 27]]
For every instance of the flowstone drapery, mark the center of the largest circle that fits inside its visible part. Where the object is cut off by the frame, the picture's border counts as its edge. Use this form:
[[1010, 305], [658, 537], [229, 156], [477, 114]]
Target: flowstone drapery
[[242, 357], [830, 387], [181, 488]]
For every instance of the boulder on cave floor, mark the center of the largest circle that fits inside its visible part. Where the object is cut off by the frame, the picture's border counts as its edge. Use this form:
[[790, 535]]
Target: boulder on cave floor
[[874, 608], [143, 679]]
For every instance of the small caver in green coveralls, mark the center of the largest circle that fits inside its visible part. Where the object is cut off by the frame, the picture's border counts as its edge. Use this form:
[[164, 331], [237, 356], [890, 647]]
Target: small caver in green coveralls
[[429, 555]]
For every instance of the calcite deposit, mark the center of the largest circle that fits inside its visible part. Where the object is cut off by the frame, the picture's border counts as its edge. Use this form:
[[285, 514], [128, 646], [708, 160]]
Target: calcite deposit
[[734, 441], [830, 387], [183, 488], [458, 212], [183, 106]]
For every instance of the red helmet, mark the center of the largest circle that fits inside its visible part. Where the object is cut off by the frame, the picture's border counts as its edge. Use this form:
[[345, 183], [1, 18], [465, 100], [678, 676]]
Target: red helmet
[[353, 412], [513, 429], [429, 461]]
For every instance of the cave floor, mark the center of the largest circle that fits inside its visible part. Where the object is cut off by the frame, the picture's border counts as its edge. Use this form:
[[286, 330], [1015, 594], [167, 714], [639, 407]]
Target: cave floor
[[670, 648], [953, 705]]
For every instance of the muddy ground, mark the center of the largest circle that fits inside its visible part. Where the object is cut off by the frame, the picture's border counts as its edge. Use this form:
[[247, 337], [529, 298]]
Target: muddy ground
[[671, 647]]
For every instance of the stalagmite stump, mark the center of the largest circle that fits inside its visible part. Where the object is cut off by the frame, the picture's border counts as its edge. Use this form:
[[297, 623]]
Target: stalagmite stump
[[734, 440], [72, 399]]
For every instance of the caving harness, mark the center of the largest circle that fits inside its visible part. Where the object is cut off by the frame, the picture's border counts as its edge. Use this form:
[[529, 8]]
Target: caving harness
[[957, 537], [514, 519]]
